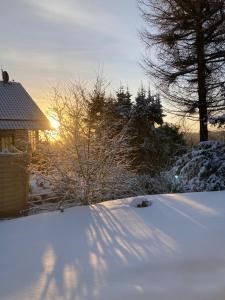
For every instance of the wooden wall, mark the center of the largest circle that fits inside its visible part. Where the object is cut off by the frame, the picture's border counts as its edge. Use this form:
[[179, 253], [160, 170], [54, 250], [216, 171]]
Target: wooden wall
[[21, 139], [14, 184]]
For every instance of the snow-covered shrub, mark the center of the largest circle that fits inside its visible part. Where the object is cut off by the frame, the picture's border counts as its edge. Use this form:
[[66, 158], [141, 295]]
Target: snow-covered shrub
[[201, 169], [218, 121], [84, 180], [39, 186], [86, 163], [153, 185]]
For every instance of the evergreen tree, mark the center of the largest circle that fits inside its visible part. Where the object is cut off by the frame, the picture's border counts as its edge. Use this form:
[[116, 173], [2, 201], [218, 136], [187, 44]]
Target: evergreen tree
[[148, 108], [156, 109], [96, 105], [142, 104], [117, 111], [167, 143], [152, 148], [188, 38], [123, 103], [141, 128]]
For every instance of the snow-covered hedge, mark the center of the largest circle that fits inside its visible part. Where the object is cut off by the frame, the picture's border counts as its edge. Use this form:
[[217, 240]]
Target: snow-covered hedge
[[217, 121], [201, 169]]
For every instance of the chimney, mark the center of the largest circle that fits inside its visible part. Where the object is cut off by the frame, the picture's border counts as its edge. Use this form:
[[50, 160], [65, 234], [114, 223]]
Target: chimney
[[5, 77]]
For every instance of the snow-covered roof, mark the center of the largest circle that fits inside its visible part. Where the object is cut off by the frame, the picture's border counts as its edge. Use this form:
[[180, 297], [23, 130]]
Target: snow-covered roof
[[18, 110]]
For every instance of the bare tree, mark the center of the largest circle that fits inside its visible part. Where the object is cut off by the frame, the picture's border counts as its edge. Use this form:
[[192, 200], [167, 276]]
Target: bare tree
[[186, 42], [86, 163]]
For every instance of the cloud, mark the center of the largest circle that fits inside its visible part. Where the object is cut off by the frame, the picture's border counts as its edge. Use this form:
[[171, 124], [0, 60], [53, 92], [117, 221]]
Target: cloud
[[98, 17], [47, 40], [61, 10]]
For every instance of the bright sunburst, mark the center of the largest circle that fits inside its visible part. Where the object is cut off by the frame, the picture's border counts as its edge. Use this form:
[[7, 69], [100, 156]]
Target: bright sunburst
[[54, 123], [53, 134]]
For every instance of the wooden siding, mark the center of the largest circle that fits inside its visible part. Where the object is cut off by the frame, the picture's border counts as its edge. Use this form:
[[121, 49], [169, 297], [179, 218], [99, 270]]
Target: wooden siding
[[21, 139], [14, 184]]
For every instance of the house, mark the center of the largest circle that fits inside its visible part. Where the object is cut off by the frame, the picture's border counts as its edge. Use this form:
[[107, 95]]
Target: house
[[20, 117]]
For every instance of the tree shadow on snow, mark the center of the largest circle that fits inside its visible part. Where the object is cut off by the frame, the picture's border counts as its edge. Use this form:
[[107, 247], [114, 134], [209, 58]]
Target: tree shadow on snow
[[75, 254]]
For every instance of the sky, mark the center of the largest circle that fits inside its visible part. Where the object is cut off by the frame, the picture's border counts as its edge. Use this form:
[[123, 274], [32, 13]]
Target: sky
[[44, 42]]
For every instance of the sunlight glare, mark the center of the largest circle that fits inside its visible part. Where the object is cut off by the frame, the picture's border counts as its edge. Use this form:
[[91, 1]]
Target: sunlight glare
[[54, 123]]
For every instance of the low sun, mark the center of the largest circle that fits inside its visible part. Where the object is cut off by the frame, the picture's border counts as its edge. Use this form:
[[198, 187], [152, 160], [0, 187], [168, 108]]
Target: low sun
[[53, 135], [54, 123]]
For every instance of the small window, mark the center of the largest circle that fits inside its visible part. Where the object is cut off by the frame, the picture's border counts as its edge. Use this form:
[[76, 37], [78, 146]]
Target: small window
[[7, 143]]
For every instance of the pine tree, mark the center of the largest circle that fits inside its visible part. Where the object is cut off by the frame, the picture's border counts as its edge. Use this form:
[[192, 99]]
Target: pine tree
[[142, 107], [189, 42], [123, 103], [156, 112], [117, 111], [148, 108], [96, 105], [142, 124]]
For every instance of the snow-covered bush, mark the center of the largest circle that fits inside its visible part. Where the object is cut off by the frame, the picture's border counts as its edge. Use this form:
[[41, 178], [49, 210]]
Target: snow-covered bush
[[218, 121], [86, 163], [201, 169], [153, 185]]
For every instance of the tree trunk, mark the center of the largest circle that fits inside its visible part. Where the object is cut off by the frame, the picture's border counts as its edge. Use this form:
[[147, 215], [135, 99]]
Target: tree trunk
[[202, 92]]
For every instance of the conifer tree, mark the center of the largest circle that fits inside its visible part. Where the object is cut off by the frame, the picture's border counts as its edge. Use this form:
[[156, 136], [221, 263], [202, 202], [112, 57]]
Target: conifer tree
[[96, 104], [148, 107], [156, 109], [146, 112], [123, 102], [188, 39]]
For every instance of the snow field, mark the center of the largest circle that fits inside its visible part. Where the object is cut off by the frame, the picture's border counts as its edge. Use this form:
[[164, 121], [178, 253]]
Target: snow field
[[174, 249]]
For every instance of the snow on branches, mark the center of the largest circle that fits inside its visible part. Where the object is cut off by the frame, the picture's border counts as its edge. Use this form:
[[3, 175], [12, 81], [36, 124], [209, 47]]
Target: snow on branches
[[201, 169]]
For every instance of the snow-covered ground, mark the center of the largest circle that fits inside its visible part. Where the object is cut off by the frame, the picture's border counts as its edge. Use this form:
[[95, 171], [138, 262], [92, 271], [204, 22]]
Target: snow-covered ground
[[172, 250]]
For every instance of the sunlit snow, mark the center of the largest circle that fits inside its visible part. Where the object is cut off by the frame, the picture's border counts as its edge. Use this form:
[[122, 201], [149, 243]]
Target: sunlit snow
[[173, 249]]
